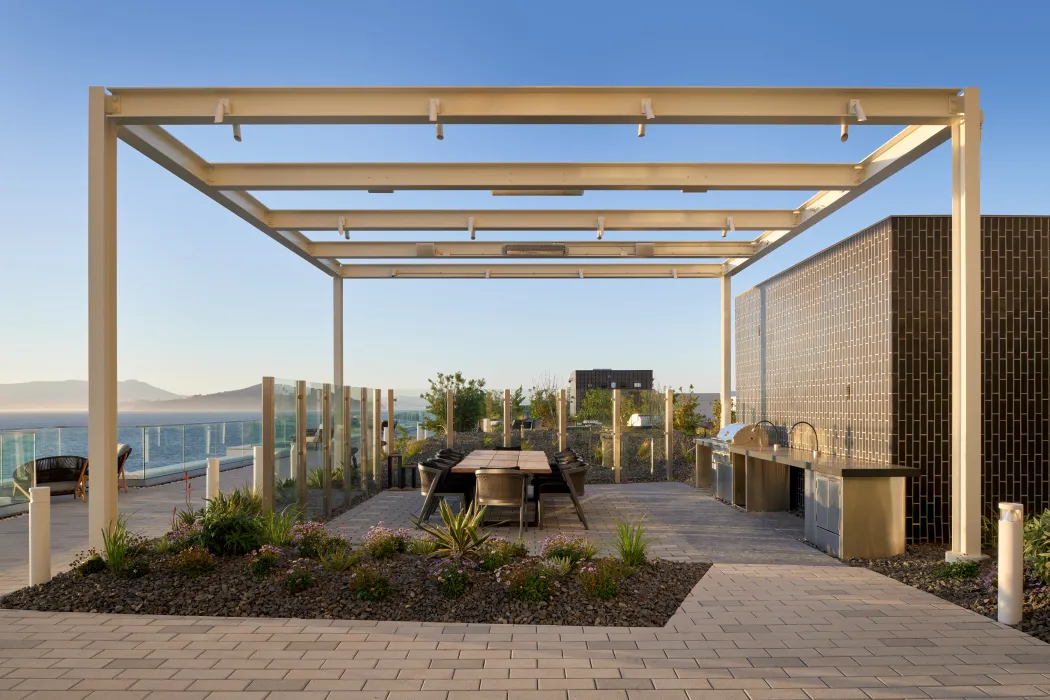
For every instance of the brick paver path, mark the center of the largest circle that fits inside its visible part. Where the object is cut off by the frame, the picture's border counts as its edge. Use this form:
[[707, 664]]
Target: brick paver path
[[772, 619]]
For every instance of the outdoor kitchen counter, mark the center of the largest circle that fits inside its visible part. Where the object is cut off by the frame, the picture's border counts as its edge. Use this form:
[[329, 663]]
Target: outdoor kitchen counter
[[853, 508]]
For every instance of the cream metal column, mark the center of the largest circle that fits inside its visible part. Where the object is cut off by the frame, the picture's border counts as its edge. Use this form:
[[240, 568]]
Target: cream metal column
[[450, 415], [102, 317], [337, 331], [616, 433], [966, 331], [390, 421], [668, 429], [264, 486], [506, 417], [727, 350], [377, 437], [562, 425]]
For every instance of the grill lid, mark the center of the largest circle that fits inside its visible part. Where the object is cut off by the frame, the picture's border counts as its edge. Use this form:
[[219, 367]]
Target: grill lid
[[744, 434]]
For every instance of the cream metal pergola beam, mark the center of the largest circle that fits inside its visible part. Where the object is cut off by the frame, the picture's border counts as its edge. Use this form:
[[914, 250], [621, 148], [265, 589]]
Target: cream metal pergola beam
[[902, 150], [167, 151], [532, 271], [532, 176], [533, 105], [498, 249], [531, 219]]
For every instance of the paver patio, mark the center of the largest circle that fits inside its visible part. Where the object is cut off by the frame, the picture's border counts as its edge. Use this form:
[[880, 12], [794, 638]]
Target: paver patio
[[773, 619]]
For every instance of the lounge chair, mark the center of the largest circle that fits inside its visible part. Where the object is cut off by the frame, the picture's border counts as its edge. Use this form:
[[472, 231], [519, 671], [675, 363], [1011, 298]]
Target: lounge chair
[[123, 452], [61, 473]]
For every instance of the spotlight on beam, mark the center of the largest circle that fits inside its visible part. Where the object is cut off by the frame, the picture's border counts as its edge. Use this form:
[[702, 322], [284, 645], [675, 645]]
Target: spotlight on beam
[[601, 227], [237, 133], [470, 226], [393, 273], [857, 111], [674, 272], [581, 273], [342, 228], [440, 133], [641, 130], [844, 132], [486, 274]]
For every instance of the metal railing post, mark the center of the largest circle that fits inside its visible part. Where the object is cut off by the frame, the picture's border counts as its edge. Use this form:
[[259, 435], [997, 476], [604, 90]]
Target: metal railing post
[[562, 422], [327, 432], [506, 417], [616, 433], [300, 444]]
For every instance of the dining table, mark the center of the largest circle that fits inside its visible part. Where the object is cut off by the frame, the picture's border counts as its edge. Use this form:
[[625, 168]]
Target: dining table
[[528, 461]]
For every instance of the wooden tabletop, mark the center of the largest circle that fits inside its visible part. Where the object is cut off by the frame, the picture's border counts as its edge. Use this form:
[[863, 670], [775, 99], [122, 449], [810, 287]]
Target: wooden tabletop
[[529, 461]]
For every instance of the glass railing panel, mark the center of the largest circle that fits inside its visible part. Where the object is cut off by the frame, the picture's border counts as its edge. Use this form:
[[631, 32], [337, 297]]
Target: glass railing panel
[[284, 443], [163, 450], [340, 449], [315, 452], [17, 454]]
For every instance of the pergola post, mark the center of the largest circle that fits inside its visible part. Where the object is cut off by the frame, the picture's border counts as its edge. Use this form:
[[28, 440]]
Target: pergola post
[[966, 331], [102, 317], [616, 433], [506, 417], [337, 331], [264, 482], [727, 350], [669, 429], [562, 425], [450, 415]]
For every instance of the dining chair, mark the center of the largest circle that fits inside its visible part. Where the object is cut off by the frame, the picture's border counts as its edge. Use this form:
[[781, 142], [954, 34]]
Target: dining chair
[[502, 488]]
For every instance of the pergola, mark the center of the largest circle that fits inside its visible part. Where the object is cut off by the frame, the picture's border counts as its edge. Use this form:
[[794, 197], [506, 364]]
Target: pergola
[[930, 117]]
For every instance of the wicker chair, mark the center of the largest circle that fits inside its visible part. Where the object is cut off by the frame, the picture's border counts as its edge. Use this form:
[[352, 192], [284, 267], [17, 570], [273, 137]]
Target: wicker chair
[[502, 488], [123, 452], [567, 479], [437, 482], [60, 470]]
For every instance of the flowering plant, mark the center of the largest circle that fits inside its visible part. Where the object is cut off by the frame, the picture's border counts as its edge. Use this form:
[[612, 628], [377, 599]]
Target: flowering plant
[[262, 561], [452, 575], [525, 581], [368, 583], [601, 579], [184, 536], [572, 547], [310, 537], [298, 577], [382, 542]]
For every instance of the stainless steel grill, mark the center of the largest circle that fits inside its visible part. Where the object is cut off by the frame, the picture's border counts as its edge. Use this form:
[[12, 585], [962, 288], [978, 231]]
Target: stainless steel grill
[[724, 462]]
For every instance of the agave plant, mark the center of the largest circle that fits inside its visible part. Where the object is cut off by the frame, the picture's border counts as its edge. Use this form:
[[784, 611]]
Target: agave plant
[[461, 534]]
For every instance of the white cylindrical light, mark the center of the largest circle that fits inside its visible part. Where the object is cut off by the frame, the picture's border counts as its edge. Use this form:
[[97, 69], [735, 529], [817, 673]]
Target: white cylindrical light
[[39, 535], [1011, 563], [212, 480], [257, 469]]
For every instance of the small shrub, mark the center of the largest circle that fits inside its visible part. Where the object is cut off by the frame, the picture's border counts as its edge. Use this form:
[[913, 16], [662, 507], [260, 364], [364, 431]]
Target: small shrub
[[230, 530], [310, 538], [368, 583], [498, 552], [989, 533], [315, 479], [382, 542], [643, 449], [1037, 545], [161, 545], [560, 566], [572, 547], [958, 570], [461, 534], [528, 581], [186, 516], [121, 546], [264, 560], [194, 561], [413, 448], [88, 563], [185, 535], [631, 543], [423, 546], [452, 575], [240, 501], [337, 555], [277, 526], [601, 579], [298, 577], [489, 442]]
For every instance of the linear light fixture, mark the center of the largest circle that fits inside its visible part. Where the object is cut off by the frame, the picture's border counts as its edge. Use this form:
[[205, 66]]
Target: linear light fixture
[[470, 226], [537, 193], [535, 250]]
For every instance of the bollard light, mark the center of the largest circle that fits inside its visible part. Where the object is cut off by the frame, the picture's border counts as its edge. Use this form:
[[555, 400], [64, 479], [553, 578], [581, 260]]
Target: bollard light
[[39, 535], [1011, 563], [258, 478], [212, 485]]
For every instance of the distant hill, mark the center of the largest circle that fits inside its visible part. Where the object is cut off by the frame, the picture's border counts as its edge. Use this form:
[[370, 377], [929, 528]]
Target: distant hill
[[72, 394], [247, 399]]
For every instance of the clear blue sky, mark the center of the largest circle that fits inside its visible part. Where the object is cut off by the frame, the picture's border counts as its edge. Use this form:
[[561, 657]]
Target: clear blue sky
[[208, 303]]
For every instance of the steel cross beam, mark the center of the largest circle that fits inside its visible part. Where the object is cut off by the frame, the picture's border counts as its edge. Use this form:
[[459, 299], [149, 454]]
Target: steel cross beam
[[160, 146], [531, 176], [902, 150], [531, 219], [527, 249], [533, 105], [530, 271]]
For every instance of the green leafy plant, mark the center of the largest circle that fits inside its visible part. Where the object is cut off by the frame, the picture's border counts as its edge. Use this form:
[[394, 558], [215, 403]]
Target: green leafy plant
[[461, 534], [88, 563], [186, 516], [368, 583], [489, 442], [1037, 545], [310, 537], [121, 546], [529, 581], [572, 547], [161, 545], [264, 560], [193, 561], [382, 542], [183, 536], [498, 552], [277, 526], [242, 500], [601, 579], [338, 555], [230, 531], [413, 448], [958, 570], [631, 543], [452, 575], [298, 577], [422, 546], [560, 566], [989, 533]]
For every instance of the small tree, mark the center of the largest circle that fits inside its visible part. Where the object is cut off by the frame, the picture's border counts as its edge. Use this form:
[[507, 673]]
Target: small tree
[[494, 404], [468, 404], [543, 400], [596, 405], [686, 417], [716, 407]]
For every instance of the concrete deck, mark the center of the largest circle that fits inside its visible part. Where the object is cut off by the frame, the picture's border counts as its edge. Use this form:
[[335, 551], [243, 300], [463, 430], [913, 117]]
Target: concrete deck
[[772, 620]]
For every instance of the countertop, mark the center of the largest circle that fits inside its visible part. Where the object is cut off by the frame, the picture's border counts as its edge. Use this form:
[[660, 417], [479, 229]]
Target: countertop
[[834, 465]]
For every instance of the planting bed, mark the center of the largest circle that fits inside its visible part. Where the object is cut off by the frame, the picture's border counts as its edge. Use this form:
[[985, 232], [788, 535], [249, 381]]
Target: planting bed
[[922, 567], [647, 598]]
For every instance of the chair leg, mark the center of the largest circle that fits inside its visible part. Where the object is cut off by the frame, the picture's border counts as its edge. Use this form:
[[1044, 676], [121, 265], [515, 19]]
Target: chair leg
[[539, 509], [579, 508], [521, 517]]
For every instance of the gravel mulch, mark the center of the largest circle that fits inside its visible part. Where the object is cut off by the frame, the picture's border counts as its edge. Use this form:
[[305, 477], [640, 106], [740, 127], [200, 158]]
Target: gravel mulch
[[918, 567], [647, 599]]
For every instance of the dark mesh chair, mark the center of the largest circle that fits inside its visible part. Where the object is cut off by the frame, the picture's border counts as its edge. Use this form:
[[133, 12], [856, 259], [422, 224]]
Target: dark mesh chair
[[436, 481], [502, 488], [565, 479], [63, 471], [123, 452]]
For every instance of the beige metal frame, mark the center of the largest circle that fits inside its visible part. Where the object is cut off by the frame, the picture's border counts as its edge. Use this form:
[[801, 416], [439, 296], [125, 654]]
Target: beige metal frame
[[929, 117]]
